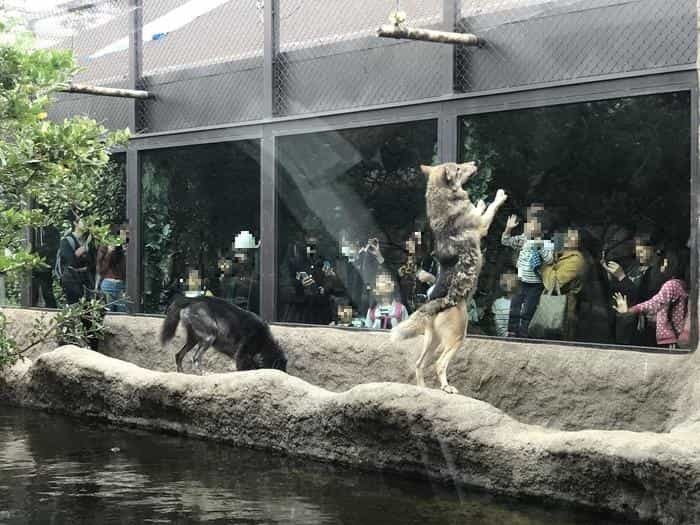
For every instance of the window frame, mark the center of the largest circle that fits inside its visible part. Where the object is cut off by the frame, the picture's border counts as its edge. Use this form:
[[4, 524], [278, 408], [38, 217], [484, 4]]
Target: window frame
[[447, 111]]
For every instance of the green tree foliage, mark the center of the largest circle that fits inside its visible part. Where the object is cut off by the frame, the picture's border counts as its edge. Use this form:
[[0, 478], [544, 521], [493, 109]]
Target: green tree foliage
[[56, 165], [48, 170], [76, 324]]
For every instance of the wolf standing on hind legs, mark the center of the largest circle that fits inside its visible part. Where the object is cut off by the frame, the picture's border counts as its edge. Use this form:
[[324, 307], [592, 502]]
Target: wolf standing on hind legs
[[458, 226]]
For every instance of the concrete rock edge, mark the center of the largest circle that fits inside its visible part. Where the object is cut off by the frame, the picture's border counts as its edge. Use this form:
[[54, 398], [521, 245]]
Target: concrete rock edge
[[556, 386], [378, 425]]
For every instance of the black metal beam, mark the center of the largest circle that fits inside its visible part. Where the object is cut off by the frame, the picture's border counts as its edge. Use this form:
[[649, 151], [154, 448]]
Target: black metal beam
[[268, 226], [134, 266]]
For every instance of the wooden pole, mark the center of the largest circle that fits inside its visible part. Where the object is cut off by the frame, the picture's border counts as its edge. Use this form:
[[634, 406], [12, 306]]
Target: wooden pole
[[429, 35], [107, 91]]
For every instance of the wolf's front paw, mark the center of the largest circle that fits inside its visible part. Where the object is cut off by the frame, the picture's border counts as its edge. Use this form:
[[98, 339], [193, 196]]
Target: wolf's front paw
[[449, 389], [480, 206], [501, 197]]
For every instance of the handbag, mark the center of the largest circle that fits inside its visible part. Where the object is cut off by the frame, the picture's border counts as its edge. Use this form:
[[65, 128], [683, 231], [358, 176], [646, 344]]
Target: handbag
[[549, 317]]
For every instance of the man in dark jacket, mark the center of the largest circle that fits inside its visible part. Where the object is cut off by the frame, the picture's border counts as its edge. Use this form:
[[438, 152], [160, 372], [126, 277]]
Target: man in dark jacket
[[638, 281], [77, 263]]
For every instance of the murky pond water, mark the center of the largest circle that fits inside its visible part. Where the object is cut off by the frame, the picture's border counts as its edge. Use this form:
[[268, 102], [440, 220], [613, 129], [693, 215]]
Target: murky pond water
[[62, 470]]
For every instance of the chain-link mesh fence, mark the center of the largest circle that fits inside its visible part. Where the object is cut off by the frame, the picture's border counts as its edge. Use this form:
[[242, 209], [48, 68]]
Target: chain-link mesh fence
[[203, 59], [331, 58], [207, 56], [97, 33], [537, 41]]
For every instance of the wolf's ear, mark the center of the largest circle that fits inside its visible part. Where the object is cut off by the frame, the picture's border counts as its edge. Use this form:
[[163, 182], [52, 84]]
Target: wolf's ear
[[425, 169]]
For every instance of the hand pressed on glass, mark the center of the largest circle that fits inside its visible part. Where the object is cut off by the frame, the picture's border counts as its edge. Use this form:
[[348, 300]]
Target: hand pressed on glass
[[620, 303]]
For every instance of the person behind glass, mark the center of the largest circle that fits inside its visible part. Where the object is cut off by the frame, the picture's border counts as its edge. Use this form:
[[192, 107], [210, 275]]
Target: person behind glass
[[567, 271], [417, 274], [310, 304], [369, 261], [77, 263], [386, 310], [111, 267], [533, 252], [46, 242], [638, 282], [500, 309], [669, 306]]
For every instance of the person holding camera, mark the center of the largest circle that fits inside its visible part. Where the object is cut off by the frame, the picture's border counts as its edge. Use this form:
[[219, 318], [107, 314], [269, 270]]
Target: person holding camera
[[369, 261], [638, 281], [533, 252]]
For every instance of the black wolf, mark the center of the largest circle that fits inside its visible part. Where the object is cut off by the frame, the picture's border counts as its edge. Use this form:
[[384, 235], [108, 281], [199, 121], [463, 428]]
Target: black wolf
[[238, 333]]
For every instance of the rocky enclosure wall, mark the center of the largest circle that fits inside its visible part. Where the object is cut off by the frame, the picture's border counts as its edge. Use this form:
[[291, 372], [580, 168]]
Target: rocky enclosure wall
[[387, 426], [556, 386]]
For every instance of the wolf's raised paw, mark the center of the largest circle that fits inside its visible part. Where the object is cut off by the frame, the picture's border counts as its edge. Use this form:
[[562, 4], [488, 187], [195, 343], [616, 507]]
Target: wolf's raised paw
[[501, 196], [449, 389]]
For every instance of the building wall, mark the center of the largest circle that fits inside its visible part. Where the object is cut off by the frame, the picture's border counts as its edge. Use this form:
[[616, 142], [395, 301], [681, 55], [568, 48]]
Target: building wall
[[529, 43]]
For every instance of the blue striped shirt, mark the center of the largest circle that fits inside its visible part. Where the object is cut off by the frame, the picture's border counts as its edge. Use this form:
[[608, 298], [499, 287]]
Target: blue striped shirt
[[529, 250]]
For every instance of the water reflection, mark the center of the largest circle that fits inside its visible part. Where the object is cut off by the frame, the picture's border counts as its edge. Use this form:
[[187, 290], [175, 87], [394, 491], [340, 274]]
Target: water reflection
[[59, 470]]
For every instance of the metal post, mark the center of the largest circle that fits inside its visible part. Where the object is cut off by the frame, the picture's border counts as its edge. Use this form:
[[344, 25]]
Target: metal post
[[268, 171], [450, 10], [135, 59], [268, 227], [447, 137], [694, 241], [134, 267], [447, 123], [271, 47]]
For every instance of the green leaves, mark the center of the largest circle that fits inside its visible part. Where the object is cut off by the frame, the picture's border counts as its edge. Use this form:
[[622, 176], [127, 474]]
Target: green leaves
[[75, 324], [47, 171], [55, 167]]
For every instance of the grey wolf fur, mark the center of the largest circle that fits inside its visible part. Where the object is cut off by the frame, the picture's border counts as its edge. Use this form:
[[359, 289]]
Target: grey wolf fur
[[458, 226], [238, 333]]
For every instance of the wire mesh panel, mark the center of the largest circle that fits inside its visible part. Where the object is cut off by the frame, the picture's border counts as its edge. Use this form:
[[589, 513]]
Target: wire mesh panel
[[535, 41], [203, 61], [95, 32], [331, 58]]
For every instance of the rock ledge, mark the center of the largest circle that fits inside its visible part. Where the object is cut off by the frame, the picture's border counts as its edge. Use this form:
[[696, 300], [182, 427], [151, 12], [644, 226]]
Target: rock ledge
[[389, 426]]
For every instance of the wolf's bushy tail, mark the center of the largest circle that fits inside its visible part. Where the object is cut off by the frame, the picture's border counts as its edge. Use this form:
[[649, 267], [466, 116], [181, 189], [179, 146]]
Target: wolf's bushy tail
[[172, 319], [415, 325]]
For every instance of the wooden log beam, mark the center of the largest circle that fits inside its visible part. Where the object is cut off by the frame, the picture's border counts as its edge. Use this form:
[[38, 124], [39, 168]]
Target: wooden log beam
[[107, 91], [429, 35]]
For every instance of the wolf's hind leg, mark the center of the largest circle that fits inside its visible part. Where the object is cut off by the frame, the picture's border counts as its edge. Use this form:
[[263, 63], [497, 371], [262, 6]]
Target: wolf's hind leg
[[189, 345], [451, 327], [428, 343], [203, 346], [441, 367]]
